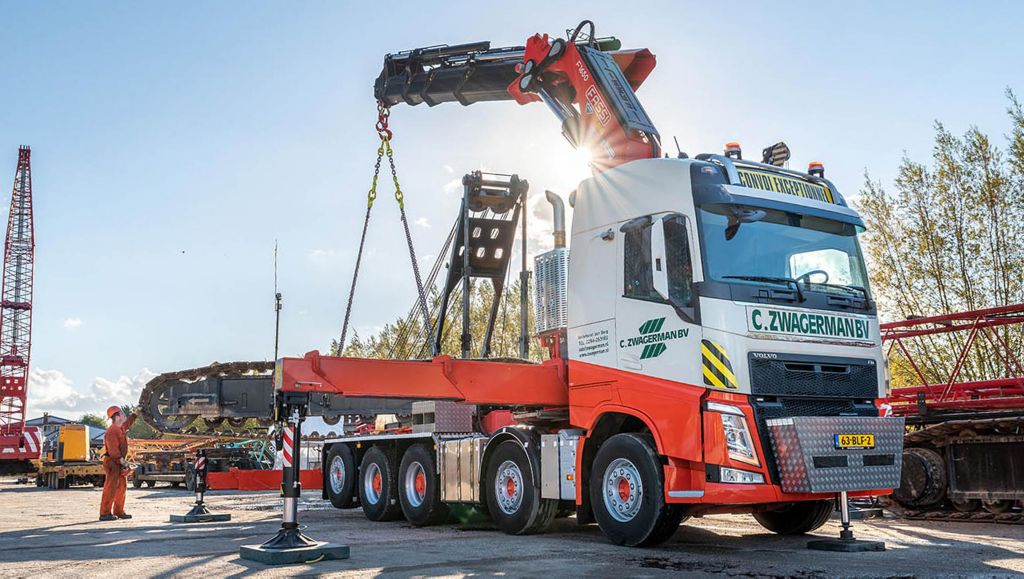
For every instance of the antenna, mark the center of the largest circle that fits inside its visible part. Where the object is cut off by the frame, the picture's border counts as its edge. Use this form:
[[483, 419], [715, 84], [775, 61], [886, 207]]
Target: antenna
[[679, 151], [277, 307]]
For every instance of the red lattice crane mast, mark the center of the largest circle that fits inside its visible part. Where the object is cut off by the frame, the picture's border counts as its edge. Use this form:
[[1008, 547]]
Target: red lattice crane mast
[[17, 443]]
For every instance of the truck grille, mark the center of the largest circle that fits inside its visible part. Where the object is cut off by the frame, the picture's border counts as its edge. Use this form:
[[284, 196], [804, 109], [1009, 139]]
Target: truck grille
[[766, 408], [818, 376]]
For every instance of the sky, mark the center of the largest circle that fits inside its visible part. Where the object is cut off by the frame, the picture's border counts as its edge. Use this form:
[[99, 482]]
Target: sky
[[174, 143]]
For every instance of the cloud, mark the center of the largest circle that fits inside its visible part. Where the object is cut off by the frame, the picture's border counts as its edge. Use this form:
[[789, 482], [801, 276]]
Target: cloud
[[448, 169], [72, 322], [52, 391], [422, 222], [319, 254], [454, 186]]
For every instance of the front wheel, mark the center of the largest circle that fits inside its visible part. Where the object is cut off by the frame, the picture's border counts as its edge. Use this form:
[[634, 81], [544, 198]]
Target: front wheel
[[513, 499], [796, 518], [627, 493]]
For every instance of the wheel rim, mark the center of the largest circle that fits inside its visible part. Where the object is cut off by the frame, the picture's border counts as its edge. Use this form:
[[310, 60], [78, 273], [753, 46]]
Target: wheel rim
[[337, 474], [415, 484], [623, 490], [508, 487], [373, 483]]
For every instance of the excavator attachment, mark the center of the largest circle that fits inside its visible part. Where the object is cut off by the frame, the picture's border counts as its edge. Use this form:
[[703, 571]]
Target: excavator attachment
[[227, 395]]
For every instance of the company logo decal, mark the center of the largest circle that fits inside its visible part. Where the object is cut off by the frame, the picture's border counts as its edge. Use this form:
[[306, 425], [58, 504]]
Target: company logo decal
[[653, 339], [813, 324]]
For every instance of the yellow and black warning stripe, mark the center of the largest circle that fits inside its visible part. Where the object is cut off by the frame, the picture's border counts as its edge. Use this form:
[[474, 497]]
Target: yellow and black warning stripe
[[717, 369]]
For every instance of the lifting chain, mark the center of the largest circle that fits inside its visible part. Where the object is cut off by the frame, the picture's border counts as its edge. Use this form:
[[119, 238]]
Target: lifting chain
[[384, 149]]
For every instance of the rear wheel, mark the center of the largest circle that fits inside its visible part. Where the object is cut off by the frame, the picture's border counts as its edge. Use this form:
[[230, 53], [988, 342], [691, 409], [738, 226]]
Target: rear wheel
[[513, 498], [341, 476], [136, 482], [418, 488], [796, 518], [627, 492], [378, 487]]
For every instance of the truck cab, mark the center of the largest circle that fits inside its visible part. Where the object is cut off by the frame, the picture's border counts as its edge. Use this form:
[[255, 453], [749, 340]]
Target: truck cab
[[710, 301]]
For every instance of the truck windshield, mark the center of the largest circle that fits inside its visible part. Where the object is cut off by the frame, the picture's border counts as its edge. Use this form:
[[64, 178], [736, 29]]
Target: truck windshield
[[766, 246]]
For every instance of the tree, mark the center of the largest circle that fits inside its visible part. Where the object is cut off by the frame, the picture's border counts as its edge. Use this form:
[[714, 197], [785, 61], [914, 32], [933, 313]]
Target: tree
[[950, 239], [93, 420], [405, 339]]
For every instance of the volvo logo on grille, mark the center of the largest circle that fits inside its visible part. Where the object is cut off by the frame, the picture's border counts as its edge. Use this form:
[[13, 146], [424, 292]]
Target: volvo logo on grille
[[765, 355]]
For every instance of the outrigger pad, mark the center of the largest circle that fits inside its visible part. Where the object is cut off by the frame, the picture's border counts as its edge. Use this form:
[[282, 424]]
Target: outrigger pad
[[312, 554], [846, 545], [207, 518]]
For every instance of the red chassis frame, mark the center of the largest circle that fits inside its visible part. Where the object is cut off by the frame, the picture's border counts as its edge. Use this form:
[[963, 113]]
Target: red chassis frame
[[671, 410]]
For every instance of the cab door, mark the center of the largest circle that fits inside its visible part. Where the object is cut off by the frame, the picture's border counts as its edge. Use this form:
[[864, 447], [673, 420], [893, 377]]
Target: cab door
[[655, 314]]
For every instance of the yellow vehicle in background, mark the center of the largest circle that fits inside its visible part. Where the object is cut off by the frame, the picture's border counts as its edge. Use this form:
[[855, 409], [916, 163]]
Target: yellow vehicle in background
[[69, 464]]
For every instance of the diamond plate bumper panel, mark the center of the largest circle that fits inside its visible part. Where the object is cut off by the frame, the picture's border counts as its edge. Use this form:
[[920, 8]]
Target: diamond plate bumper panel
[[809, 462]]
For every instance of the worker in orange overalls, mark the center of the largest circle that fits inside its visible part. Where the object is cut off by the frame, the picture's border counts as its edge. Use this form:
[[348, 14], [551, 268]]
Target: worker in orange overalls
[[115, 465]]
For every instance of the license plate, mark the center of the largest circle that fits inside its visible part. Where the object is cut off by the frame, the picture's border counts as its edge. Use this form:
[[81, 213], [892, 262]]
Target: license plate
[[855, 441]]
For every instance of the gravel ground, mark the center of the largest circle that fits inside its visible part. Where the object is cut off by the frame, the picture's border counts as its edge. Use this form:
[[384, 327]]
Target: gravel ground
[[55, 533]]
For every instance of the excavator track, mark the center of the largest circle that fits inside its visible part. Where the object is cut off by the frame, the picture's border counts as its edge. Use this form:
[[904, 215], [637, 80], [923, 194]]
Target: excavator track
[[961, 470], [155, 402], [953, 516]]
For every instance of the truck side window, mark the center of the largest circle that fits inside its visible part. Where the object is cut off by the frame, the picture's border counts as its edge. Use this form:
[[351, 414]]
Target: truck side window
[[637, 278], [680, 269]]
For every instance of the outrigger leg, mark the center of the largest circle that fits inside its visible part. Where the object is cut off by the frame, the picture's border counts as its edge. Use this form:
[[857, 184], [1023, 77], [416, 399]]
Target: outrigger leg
[[291, 545], [846, 543], [199, 512]]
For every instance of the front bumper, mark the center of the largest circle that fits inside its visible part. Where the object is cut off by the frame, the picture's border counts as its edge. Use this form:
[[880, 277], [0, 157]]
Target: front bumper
[[810, 462]]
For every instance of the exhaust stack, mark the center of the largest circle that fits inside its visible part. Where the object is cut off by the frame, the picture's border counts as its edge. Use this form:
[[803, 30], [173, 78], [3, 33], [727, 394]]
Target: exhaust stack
[[558, 216]]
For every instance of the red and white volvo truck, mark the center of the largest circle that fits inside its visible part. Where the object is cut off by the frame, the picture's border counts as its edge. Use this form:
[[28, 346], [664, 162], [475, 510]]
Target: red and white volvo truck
[[713, 348]]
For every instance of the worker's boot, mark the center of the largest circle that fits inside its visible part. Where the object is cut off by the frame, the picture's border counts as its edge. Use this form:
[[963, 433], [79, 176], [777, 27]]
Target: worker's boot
[[123, 516], [108, 518]]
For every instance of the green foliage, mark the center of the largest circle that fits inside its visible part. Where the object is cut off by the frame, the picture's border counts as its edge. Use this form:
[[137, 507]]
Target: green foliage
[[93, 420], [405, 339], [950, 238]]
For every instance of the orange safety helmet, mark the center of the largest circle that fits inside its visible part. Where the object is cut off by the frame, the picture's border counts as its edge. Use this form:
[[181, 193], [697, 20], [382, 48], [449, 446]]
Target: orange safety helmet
[[112, 411]]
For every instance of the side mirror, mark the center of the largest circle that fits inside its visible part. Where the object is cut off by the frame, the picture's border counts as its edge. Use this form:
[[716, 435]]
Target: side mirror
[[739, 216], [659, 264]]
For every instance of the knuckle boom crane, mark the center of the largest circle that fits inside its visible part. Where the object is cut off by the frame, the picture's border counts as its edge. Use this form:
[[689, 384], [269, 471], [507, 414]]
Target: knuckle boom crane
[[721, 351], [587, 82]]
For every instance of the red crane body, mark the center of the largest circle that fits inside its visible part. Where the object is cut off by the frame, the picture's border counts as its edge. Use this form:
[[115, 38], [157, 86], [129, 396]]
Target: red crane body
[[17, 443]]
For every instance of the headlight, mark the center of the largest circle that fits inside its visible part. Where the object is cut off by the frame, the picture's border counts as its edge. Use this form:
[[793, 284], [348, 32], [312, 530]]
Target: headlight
[[737, 433], [737, 439]]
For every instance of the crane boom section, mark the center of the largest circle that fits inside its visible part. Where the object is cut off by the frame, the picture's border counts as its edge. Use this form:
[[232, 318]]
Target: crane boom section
[[590, 89]]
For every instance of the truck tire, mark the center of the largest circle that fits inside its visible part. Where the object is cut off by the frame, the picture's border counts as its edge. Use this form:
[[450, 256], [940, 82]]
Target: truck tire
[[513, 497], [340, 477], [627, 492], [796, 518], [190, 478], [378, 487], [150, 484], [136, 482], [419, 488]]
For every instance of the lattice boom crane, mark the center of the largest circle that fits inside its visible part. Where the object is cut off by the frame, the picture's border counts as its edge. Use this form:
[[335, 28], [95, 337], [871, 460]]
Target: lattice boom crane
[[18, 444]]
